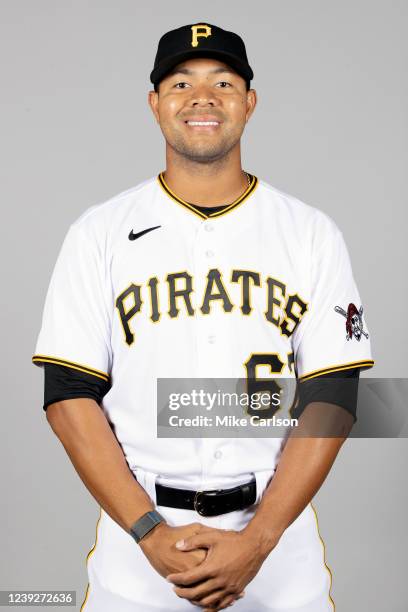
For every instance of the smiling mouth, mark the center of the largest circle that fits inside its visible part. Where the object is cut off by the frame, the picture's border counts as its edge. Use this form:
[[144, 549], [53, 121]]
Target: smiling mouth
[[202, 124]]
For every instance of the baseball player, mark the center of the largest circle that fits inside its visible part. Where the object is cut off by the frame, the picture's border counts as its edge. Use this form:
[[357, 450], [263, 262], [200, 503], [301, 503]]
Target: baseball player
[[204, 271]]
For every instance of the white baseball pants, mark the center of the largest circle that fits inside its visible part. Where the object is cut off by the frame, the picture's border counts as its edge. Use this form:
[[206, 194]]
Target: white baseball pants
[[294, 577]]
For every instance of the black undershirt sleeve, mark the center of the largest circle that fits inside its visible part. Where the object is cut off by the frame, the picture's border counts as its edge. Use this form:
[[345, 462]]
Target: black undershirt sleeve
[[340, 388], [62, 382]]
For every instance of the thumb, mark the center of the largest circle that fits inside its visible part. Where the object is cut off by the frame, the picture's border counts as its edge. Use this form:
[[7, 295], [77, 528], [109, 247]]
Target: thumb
[[201, 540]]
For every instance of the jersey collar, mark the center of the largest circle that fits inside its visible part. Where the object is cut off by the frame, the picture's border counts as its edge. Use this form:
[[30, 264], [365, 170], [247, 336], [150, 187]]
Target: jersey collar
[[251, 188]]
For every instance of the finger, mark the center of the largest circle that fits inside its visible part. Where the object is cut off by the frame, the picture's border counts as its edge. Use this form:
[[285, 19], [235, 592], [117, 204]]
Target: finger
[[198, 592], [228, 601], [204, 539], [216, 607], [189, 577], [213, 601], [231, 600]]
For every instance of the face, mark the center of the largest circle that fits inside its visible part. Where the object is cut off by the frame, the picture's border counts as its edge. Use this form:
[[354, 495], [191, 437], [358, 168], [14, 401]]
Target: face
[[355, 324], [202, 107]]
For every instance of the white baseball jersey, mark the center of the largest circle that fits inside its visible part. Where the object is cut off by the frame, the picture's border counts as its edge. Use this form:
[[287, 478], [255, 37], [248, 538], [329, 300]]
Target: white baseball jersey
[[146, 286]]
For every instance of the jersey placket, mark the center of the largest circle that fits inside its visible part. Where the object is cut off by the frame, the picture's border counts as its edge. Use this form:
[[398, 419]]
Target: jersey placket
[[210, 338]]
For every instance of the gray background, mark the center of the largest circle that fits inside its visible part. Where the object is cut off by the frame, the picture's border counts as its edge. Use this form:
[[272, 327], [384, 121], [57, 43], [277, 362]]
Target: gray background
[[330, 128]]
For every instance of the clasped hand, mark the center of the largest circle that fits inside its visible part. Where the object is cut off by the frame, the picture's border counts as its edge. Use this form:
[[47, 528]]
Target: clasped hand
[[223, 562]]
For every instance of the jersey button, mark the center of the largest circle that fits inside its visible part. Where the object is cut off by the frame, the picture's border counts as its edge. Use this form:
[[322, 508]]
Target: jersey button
[[208, 227], [209, 253], [218, 454], [211, 339]]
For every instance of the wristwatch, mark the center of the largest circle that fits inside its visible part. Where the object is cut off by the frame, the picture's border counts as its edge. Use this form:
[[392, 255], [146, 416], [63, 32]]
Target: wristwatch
[[145, 524]]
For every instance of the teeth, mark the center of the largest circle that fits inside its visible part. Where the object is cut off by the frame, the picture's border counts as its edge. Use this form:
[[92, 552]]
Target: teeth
[[202, 122]]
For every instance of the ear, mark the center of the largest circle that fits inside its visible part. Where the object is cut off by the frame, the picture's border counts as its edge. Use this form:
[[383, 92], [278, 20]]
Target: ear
[[251, 100], [153, 100]]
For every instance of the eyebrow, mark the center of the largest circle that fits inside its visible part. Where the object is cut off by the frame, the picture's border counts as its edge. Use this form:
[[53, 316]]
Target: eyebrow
[[190, 72]]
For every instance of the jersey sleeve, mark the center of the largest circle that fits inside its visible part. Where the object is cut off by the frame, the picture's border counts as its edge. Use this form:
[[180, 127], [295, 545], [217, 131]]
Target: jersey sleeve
[[76, 321], [332, 335]]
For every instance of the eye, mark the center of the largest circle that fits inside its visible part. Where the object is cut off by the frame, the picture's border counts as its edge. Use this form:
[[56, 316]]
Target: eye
[[181, 85], [223, 84]]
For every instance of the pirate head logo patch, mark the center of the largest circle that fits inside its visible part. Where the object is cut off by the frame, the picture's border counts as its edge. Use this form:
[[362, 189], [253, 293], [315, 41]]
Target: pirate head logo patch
[[354, 321]]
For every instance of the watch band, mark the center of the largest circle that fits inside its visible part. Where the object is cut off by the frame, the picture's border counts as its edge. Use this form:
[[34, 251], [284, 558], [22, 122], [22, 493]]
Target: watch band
[[145, 524]]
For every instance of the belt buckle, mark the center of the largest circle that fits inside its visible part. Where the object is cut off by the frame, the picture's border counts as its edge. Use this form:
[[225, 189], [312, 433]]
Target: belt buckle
[[198, 502]]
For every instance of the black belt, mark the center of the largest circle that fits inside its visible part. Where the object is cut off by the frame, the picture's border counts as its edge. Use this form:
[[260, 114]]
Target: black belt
[[208, 503]]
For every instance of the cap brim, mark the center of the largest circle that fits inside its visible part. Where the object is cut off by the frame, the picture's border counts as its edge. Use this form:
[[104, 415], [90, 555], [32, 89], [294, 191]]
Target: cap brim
[[165, 66]]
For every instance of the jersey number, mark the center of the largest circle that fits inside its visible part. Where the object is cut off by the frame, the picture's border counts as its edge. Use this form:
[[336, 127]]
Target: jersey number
[[269, 386]]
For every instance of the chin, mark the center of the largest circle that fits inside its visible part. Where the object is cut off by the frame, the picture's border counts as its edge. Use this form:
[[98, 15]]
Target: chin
[[205, 156], [201, 151], [205, 153]]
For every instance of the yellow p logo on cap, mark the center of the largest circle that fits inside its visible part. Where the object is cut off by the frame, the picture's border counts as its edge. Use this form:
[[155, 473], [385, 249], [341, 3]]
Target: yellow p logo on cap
[[201, 29]]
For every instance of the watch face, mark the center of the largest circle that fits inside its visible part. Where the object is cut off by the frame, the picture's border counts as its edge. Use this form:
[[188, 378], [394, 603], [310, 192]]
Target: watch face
[[143, 525]]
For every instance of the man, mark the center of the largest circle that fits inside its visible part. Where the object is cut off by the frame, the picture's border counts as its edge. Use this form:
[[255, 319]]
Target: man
[[203, 271]]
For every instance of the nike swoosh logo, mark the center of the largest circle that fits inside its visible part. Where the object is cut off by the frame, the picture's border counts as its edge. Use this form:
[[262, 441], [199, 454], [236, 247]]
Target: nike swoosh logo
[[133, 236]]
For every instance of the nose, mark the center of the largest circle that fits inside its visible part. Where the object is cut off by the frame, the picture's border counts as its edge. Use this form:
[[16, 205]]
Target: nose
[[203, 96]]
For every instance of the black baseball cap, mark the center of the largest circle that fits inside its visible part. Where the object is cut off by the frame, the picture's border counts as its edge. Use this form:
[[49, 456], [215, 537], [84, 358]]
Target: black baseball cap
[[200, 40]]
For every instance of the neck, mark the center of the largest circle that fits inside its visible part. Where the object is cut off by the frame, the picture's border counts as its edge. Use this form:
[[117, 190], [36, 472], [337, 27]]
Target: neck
[[206, 184]]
